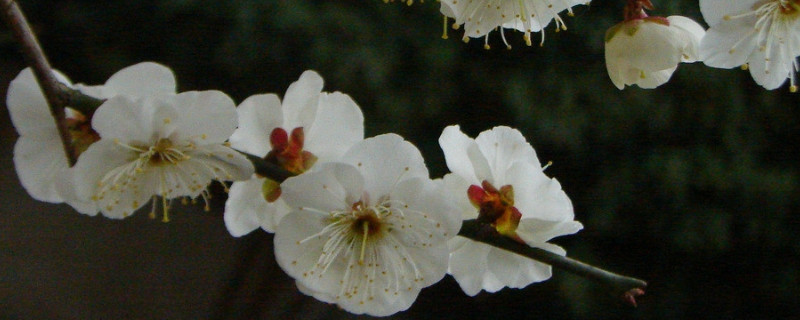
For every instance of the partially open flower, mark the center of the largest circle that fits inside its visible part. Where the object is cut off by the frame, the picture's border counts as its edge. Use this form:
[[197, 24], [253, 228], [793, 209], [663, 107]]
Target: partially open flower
[[497, 179], [310, 127], [367, 233], [646, 51]]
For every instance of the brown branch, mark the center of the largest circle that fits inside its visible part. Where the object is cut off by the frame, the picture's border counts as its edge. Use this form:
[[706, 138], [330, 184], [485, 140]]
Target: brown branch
[[625, 287], [35, 58]]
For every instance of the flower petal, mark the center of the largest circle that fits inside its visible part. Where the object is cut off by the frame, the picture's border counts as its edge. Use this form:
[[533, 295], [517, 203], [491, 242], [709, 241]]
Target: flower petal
[[384, 161], [233, 165], [729, 44], [426, 197], [516, 271], [301, 100], [142, 79], [454, 144], [455, 187], [502, 147], [715, 10], [38, 159], [536, 231], [330, 187], [337, 126], [537, 196], [246, 210], [98, 161], [470, 267], [296, 251], [27, 106], [258, 115], [126, 119], [652, 79], [770, 73], [653, 46], [65, 186], [692, 32], [205, 116]]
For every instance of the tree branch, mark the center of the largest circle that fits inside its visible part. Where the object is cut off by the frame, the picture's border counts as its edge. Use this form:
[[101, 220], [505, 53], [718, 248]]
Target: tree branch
[[625, 287], [35, 58]]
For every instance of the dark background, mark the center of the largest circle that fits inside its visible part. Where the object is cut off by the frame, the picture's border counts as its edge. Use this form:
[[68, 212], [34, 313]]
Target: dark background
[[692, 186]]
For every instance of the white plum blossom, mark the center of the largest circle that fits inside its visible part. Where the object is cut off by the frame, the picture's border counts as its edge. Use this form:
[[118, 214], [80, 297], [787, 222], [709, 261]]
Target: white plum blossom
[[368, 232], [480, 17], [760, 35], [39, 156], [309, 127], [498, 179], [646, 51], [168, 145]]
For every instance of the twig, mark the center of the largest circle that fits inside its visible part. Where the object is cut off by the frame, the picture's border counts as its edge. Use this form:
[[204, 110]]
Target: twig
[[35, 58], [625, 287]]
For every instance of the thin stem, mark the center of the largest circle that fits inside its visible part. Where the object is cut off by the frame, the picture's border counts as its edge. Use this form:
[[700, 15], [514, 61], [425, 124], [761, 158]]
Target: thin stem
[[625, 287], [268, 169], [34, 57]]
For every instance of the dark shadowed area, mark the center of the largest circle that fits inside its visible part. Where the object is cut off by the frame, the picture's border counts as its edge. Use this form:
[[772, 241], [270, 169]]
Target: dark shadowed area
[[692, 186]]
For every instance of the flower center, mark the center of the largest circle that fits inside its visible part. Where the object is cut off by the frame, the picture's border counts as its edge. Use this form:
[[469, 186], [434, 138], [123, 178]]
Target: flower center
[[163, 169], [287, 152], [164, 153], [496, 207], [369, 246]]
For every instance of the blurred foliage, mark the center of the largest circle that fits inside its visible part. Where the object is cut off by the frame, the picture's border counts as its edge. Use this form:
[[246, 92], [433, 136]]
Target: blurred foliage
[[693, 186]]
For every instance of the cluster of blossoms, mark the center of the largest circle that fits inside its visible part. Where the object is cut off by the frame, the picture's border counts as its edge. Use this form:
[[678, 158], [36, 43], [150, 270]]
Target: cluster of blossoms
[[760, 35], [359, 224]]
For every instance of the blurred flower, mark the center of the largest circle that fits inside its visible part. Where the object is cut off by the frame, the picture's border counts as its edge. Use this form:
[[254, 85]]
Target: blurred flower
[[763, 36], [169, 146], [480, 17], [367, 233], [309, 127], [39, 156], [497, 179], [646, 50]]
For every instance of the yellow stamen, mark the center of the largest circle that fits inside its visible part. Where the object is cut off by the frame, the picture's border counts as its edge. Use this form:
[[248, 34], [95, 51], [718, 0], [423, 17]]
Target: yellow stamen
[[444, 34], [365, 229], [164, 206]]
